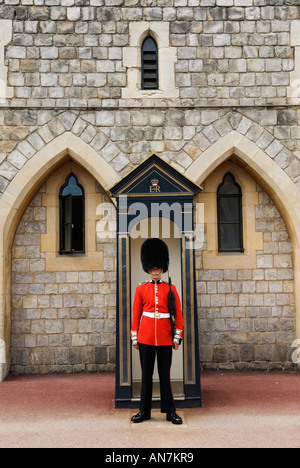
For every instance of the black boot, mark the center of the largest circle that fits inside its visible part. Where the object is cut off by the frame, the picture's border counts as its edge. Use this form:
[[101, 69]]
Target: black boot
[[174, 418], [140, 417]]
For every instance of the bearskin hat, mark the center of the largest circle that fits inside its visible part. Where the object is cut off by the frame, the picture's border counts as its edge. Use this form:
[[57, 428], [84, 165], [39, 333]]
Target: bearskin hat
[[155, 253]]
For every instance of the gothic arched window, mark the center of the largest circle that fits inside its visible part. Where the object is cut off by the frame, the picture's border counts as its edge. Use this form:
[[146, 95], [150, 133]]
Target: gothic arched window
[[72, 216], [149, 64], [230, 215]]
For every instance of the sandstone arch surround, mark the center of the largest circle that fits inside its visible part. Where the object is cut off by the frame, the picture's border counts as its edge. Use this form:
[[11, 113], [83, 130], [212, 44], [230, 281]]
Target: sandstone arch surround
[[17, 196], [68, 134], [272, 179]]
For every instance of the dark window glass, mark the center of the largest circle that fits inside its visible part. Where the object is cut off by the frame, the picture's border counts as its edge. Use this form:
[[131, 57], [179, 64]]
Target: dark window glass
[[72, 217], [230, 216], [149, 64]]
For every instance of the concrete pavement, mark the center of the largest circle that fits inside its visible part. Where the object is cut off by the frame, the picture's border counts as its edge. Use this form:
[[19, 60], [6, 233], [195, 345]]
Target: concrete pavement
[[239, 410]]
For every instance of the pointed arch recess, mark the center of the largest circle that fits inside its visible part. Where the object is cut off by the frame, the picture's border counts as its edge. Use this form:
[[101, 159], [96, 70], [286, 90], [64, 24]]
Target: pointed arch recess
[[272, 179], [17, 196], [20, 191]]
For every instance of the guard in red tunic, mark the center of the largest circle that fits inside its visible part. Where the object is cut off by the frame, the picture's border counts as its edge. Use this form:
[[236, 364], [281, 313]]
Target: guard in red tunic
[[151, 331]]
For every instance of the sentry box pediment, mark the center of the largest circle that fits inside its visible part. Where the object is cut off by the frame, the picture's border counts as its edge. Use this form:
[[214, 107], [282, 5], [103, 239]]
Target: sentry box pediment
[[155, 178]]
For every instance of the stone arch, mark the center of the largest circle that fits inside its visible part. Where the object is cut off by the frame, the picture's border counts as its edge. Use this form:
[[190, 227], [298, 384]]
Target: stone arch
[[235, 125], [274, 180], [148, 33], [65, 126], [160, 31], [17, 196]]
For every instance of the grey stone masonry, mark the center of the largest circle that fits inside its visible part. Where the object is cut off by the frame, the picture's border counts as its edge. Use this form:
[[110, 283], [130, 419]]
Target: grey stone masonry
[[70, 54], [124, 137], [62, 322], [247, 317], [70, 72]]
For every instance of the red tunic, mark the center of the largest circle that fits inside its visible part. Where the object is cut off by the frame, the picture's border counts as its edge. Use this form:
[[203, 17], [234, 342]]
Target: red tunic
[[152, 297]]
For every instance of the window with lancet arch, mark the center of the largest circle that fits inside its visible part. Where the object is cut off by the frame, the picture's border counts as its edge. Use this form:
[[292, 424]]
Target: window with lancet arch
[[72, 217], [230, 215], [150, 64]]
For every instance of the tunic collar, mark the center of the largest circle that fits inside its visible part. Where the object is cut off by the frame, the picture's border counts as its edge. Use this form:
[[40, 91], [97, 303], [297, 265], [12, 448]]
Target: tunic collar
[[156, 282]]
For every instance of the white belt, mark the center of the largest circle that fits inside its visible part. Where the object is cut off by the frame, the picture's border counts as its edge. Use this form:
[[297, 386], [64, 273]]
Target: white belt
[[155, 315]]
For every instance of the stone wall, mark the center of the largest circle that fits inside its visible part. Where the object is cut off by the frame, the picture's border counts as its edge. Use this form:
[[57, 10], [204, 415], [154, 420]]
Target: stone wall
[[125, 137], [247, 316], [61, 321], [64, 321], [231, 52], [66, 67]]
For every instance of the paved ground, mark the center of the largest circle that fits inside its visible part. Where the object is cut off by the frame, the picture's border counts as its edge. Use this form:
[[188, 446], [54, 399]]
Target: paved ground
[[240, 410]]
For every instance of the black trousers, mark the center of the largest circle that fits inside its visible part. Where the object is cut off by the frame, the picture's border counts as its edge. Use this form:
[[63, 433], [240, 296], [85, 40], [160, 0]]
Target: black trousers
[[164, 362]]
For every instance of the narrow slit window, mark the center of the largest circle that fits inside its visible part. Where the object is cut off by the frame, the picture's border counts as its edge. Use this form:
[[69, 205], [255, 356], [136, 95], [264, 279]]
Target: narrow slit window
[[149, 64], [230, 215], [72, 217]]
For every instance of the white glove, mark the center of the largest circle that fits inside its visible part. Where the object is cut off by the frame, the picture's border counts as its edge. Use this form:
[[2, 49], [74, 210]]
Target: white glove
[[177, 337], [134, 338]]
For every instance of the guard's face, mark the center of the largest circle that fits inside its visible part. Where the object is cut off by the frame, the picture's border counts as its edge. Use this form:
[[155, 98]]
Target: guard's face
[[156, 273]]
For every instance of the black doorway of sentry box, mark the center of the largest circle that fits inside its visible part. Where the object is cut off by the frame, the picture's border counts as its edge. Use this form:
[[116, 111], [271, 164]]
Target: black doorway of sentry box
[[156, 189]]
